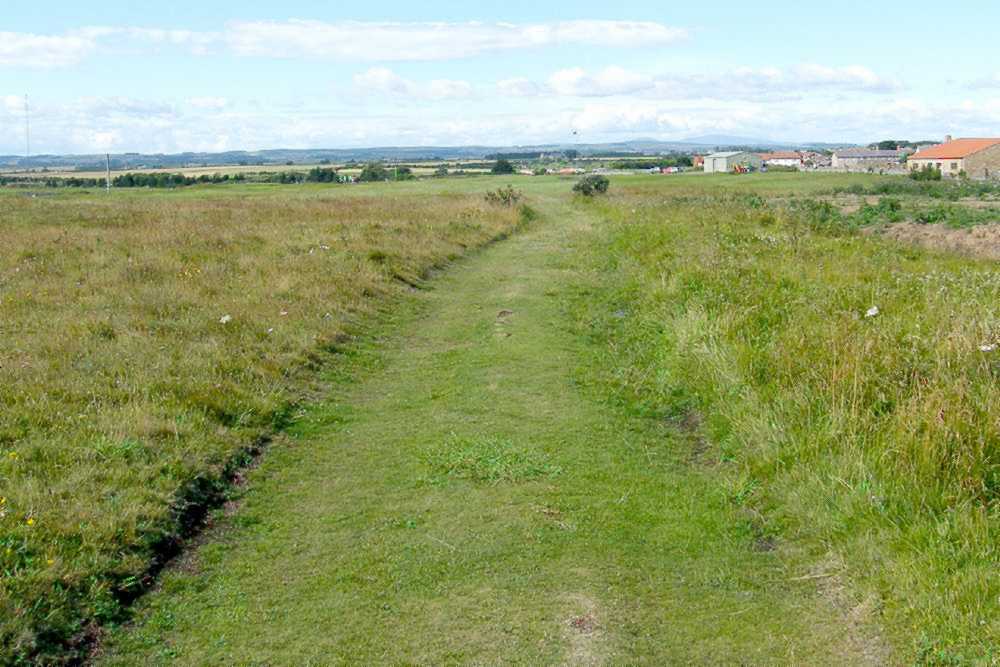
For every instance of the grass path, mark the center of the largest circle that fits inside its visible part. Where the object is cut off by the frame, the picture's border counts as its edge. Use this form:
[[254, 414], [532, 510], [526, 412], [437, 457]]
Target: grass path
[[472, 499]]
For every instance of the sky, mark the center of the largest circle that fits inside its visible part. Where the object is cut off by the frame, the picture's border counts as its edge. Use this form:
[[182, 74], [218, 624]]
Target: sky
[[122, 76]]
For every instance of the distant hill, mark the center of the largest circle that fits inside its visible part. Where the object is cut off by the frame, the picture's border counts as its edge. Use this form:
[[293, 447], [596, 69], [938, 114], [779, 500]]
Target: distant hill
[[124, 161]]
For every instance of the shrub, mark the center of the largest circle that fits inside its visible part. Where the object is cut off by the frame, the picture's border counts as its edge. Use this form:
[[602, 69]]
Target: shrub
[[588, 186], [507, 196], [927, 173]]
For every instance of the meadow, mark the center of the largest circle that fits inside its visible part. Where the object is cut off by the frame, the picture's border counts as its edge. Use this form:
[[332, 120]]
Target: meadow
[[151, 343], [830, 394], [846, 386]]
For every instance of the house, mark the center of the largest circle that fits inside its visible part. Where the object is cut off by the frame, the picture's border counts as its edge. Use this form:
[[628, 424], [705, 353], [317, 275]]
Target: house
[[867, 159], [698, 161], [725, 163], [977, 158], [782, 159]]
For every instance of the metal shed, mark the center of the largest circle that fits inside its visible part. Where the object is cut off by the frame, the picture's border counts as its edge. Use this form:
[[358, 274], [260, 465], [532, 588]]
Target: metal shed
[[724, 163]]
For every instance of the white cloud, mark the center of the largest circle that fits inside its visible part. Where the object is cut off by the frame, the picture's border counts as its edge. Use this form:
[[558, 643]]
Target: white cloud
[[212, 103], [606, 82], [384, 81], [433, 41], [44, 51], [346, 40], [742, 82], [518, 87], [987, 82]]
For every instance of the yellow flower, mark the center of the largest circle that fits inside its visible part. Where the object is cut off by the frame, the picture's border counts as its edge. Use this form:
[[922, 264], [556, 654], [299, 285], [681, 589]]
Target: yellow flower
[[51, 561], [30, 521], [13, 456]]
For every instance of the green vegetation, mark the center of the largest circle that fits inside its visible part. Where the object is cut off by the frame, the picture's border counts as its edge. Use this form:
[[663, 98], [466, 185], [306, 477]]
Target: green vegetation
[[502, 167], [154, 341], [505, 196], [926, 173], [473, 497], [699, 419], [588, 186], [847, 386]]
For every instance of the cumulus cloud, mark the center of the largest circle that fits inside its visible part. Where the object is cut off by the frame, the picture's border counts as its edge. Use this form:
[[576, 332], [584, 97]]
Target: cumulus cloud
[[43, 51], [94, 125], [518, 87], [347, 40], [384, 81], [356, 40], [742, 82], [608, 81]]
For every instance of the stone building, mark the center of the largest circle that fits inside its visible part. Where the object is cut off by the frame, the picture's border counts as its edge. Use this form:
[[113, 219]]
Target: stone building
[[868, 160], [976, 158]]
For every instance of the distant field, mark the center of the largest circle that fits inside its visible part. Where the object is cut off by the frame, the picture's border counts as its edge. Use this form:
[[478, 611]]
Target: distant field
[[149, 339], [419, 168]]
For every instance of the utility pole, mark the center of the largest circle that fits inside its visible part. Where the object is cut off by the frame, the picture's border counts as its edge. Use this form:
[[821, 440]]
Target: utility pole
[[107, 156], [27, 128]]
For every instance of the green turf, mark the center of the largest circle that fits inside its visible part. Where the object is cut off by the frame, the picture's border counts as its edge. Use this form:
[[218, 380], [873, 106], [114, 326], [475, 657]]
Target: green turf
[[469, 495]]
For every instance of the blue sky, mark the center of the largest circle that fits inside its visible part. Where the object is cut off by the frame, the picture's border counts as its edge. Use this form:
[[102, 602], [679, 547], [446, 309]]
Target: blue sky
[[125, 76]]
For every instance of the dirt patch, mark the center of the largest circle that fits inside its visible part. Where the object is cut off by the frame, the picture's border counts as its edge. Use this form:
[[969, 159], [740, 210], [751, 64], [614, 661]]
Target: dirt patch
[[583, 633], [863, 637], [982, 241]]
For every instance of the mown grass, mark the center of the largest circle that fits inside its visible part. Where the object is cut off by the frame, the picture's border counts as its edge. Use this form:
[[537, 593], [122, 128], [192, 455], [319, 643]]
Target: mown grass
[[150, 341], [852, 382]]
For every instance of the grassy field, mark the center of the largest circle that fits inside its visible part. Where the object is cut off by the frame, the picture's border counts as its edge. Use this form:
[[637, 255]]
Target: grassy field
[[719, 414], [847, 386], [150, 339]]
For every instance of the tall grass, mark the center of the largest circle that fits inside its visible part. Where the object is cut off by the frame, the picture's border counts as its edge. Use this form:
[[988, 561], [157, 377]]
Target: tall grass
[[147, 341], [851, 387]]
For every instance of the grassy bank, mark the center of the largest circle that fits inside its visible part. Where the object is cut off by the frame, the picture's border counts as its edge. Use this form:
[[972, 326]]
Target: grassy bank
[[149, 339], [846, 386]]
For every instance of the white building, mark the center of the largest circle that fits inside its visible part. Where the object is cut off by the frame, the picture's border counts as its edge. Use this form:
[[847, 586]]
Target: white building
[[725, 163]]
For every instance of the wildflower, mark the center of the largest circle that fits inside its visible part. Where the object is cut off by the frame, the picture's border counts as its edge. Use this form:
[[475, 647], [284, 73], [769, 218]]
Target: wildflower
[[226, 319], [992, 347], [51, 561], [13, 456], [271, 330], [30, 521], [873, 312], [284, 313]]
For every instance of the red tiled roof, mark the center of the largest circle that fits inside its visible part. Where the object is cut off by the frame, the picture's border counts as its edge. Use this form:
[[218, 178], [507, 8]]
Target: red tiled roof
[[954, 150]]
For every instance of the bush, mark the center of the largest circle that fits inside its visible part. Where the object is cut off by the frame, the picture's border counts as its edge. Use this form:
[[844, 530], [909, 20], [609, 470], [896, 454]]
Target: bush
[[502, 167], [927, 173], [373, 172], [588, 186], [507, 196]]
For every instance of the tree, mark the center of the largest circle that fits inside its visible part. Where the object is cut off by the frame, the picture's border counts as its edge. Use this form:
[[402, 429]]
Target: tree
[[372, 172], [502, 167]]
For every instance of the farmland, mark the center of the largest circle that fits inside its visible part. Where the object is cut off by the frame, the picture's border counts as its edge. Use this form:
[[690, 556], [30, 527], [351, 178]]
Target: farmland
[[702, 418]]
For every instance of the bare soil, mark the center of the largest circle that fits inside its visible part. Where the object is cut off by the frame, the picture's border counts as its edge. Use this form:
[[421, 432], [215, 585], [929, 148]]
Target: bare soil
[[982, 241]]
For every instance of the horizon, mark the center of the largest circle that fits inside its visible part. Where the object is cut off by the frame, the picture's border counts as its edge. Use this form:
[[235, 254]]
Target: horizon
[[192, 79]]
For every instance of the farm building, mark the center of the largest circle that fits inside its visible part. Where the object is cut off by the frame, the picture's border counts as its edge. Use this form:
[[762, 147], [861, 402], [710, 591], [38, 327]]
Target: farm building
[[724, 163], [977, 158], [866, 159], [783, 159]]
